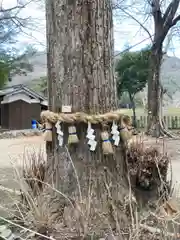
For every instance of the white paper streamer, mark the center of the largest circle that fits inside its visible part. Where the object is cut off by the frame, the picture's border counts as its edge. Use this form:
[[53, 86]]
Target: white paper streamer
[[90, 135], [60, 133], [115, 134]]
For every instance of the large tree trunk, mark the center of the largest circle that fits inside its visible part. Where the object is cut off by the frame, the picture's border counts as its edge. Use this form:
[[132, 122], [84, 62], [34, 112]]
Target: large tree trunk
[[154, 92], [80, 48], [80, 69], [80, 74]]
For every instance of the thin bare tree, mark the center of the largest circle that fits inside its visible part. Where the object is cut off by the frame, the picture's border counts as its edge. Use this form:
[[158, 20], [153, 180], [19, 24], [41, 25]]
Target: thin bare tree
[[164, 17], [164, 21], [13, 24]]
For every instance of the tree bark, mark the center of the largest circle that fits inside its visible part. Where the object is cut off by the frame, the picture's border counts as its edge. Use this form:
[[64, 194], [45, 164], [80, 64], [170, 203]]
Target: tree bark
[[156, 125], [154, 92], [133, 109], [80, 48]]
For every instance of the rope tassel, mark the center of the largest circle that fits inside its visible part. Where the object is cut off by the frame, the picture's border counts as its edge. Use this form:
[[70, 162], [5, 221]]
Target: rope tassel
[[59, 133], [124, 133], [48, 132], [106, 143], [72, 135], [91, 138], [115, 134]]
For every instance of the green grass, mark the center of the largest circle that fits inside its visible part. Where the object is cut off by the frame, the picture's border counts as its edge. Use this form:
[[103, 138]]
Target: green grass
[[141, 112]]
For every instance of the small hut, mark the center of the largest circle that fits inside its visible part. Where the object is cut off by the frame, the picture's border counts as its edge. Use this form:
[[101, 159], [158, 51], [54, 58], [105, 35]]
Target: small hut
[[19, 105]]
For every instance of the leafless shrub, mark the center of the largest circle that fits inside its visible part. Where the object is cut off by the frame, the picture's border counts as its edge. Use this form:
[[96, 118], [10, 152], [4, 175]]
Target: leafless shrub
[[34, 171], [94, 216]]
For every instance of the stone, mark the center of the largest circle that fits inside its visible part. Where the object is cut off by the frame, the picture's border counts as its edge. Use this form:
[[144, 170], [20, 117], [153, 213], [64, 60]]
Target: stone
[[20, 133]]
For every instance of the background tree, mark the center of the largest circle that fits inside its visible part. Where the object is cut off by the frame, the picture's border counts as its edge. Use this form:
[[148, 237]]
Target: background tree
[[164, 16], [164, 21], [4, 72], [40, 85], [132, 70], [14, 60], [43, 86]]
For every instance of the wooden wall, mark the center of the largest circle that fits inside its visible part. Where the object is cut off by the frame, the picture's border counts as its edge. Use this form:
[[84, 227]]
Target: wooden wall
[[19, 114]]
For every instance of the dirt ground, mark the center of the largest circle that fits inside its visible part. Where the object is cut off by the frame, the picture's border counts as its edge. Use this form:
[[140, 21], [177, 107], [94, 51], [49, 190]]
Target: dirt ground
[[12, 152]]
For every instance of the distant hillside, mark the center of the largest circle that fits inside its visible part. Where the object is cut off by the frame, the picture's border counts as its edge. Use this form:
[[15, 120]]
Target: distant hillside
[[39, 63], [170, 73], [170, 76], [39, 70]]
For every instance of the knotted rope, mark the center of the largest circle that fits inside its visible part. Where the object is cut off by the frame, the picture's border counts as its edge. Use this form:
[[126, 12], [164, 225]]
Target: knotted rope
[[48, 116]]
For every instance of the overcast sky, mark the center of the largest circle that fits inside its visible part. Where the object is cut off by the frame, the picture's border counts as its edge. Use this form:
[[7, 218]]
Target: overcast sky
[[126, 32]]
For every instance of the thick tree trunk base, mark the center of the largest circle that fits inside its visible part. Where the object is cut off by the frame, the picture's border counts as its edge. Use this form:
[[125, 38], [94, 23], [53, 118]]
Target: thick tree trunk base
[[85, 176], [158, 129], [88, 192]]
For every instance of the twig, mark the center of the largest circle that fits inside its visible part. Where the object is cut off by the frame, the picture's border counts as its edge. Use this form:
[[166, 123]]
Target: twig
[[77, 178], [156, 230], [54, 189], [9, 190], [130, 194], [27, 229]]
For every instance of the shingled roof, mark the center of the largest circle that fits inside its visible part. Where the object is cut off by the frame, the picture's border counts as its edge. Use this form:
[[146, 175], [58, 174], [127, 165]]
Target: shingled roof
[[22, 89]]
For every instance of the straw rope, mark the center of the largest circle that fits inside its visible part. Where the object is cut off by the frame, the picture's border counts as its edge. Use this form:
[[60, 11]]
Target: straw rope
[[48, 116]]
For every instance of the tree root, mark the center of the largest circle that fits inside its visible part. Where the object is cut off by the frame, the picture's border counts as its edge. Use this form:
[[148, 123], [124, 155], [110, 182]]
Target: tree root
[[159, 129], [165, 133], [163, 130]]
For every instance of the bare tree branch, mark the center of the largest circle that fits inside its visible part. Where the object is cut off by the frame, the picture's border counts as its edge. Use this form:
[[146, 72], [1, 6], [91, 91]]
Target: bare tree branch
[[175, 21], [170, 13], [167, 11], [12, 24], [137, 21], [2, 10], [156, 11]]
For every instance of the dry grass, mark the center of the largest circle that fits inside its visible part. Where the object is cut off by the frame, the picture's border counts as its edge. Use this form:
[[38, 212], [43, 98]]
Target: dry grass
[[48, 213], [34, 171], [148, 171]]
